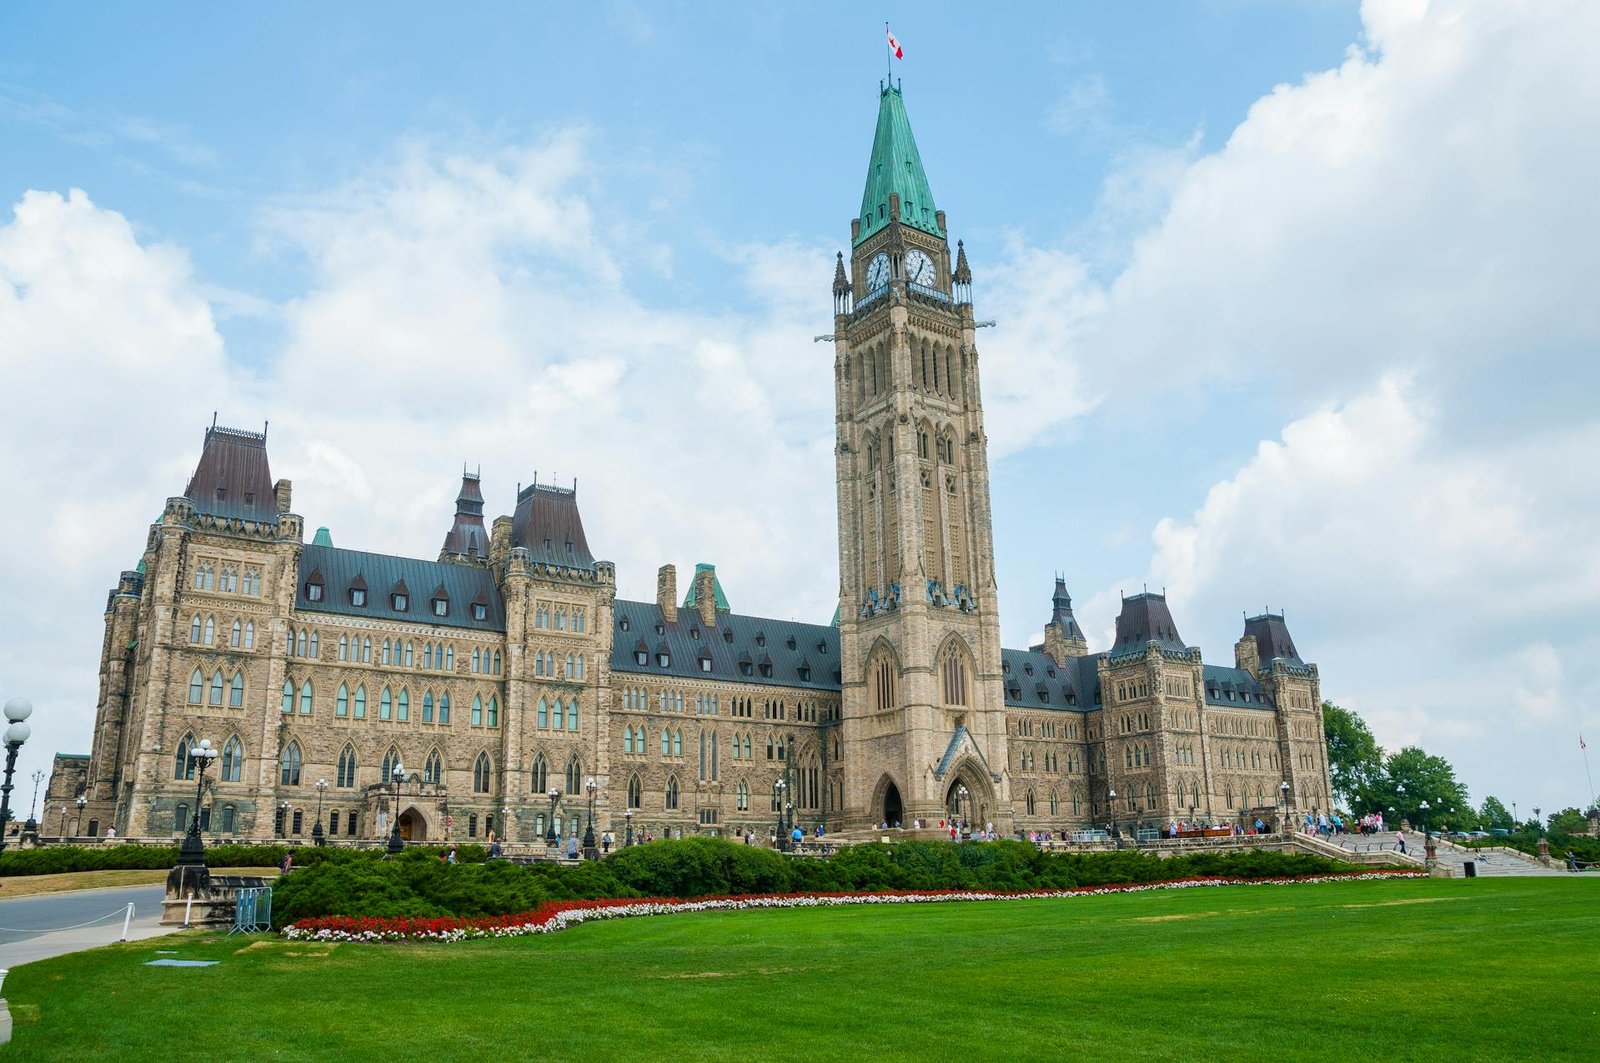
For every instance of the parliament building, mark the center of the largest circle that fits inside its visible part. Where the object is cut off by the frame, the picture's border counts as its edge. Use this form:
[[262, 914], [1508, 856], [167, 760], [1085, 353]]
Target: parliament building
[[508, 668]]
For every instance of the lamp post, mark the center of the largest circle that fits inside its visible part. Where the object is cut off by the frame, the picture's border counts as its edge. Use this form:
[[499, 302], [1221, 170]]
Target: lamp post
[[783, 832], [961, 806], [627, 817], [1111, 807], [283, 819], [193, 851], [32, 826], [17, 712], [591, 850], [77, 824], [316, 831], [550, 832], [397, 843], [1283, 789], [1430, 851]]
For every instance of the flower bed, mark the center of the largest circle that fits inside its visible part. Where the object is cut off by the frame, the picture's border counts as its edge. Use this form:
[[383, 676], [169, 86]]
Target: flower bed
[[559, 915]]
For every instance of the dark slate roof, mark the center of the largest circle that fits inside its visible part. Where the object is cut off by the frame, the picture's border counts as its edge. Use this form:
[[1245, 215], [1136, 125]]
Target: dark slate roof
[[340, 569], [1146, 618], [1220, 682], [736, 638], [467, 534], [1033, 680], [1061, 611], [232, 479], [1272, 638], [548, 526]]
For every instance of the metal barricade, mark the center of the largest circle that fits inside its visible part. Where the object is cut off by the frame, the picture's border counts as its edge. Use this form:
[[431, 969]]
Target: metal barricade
[[252, 912]]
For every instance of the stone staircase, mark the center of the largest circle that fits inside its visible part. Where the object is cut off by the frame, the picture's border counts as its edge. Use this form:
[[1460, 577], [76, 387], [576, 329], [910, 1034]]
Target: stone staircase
[[1451, 859]]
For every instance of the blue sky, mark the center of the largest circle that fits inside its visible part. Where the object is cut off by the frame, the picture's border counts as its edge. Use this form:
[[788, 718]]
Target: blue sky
[[1280, 294]]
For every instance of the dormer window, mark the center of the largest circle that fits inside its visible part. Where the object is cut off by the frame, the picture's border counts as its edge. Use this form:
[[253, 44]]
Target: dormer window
[[314, 588], [790, 642], [664, 660], [661, 629], [358, 596], [249, 498], [761, 638], [641, 657], [623, 623], [694, 633], [480, 611], [401, 602], [805, 673], [727, 635], [441, 607], [705, 664]]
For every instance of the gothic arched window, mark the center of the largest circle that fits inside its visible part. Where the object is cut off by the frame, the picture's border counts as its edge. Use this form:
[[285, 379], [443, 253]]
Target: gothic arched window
[[574, 775], [480, 774], [538, 775], [182, 763], [289, 765], [233, 760], [346, 776], [433, 768]]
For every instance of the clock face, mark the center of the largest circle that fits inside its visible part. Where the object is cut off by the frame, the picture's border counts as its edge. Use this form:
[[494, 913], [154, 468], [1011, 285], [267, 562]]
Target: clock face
[[877, 271], [920, 269]]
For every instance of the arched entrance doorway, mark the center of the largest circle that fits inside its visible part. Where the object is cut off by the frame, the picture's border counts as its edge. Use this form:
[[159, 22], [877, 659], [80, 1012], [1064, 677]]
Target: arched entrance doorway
[[968, 802], [413, 828], [892, 809]]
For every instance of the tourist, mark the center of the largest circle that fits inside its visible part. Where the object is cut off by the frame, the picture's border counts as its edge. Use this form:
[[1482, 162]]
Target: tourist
[[111, 834], [494, 849], [1400, 841], [451, 857], [287, 863], [572, 847], [1572, 860], [605, 843]]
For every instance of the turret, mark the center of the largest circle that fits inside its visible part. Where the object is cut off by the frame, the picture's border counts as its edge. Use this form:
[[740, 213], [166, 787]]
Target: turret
[[467, 541], [1063, 637]]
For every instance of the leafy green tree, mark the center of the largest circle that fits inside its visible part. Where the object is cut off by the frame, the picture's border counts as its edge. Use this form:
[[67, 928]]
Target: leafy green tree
[[1355, 761], [1494, 814], [1568, 821], [1411, 777]]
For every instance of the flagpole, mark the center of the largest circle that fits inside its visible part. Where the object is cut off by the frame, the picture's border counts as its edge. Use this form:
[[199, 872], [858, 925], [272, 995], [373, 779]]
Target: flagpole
[[1585, 748], [888, 56]]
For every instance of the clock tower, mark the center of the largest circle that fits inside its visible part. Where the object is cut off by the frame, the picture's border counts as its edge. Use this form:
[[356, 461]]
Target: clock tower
[[923, 706]]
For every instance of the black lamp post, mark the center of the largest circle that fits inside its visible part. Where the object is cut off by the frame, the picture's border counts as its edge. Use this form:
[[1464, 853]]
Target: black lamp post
[[397, 843], [1111, 806], [316, 831], [961, 806], [1283, 790], [32, 826], [77, 824], [550, 837], [193, 851], [627, 818], [590, 850], [783, 831], [283, 819], [17, 712]]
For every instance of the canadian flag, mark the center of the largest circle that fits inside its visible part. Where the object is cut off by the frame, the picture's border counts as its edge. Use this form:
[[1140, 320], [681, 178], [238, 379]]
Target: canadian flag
[[894, 45]]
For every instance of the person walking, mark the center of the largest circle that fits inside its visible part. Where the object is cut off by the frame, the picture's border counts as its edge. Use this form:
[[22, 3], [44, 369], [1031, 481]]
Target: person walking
[[1400, 841]]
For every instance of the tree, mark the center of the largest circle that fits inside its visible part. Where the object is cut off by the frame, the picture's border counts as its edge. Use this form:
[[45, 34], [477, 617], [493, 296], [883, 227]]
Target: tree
[[1568, 821], [1354, 760], [1495, 814], [1411, 777]]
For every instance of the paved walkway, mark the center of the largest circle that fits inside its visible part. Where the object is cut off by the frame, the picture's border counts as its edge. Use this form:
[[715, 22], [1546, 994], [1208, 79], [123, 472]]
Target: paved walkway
[[1498, 862], [53, 924]]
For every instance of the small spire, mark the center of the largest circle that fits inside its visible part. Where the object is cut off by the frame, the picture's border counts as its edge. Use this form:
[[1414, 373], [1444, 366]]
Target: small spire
[[841, 283], [963, 273]]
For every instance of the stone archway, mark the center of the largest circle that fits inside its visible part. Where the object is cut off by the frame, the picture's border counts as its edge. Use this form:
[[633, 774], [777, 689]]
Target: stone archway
[[888, 806], [413, 827], [969, 798]]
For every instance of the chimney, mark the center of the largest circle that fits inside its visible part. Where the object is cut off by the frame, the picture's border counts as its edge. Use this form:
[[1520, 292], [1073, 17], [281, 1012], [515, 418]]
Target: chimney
[[1247, 655], [705, 595], [667, 593], [281, 492]]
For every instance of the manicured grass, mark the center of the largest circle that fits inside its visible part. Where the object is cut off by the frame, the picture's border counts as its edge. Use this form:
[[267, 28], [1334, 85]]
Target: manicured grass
[[1430, 969]]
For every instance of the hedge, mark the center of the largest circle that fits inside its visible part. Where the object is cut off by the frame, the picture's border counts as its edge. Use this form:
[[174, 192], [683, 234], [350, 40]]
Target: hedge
[[418, 885]]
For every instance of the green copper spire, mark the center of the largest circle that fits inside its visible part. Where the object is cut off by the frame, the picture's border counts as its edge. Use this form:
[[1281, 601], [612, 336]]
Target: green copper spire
[[896, 167], [322, 538]]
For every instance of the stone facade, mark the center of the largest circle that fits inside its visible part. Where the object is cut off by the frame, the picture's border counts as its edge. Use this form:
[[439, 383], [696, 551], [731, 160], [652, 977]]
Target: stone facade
[[508, 668]]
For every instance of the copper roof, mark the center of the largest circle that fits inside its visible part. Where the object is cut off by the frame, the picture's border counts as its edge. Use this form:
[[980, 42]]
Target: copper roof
[[232, 478], [467, 535], [548, 526]]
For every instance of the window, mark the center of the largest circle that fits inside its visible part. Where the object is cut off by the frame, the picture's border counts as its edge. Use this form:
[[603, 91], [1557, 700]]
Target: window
[[358, 596], [366, 651], [441, 607], [196, 687], [289, 766], [361, 702], [477, 711], [401, 602], [229, 581], [299, 820], [402, 706], [480, 774], [538, 775], [427, 707], [232, 760], [341, 701], [250, 635], [333, 821], [251, 583], [236, 636], [494, 711], [314, 591], [346, 775], [236, 691], [211, 631], [305, 698], [635, 792], [182, 763], [672, 792], [574, 778], [391, 760], [479, 611], [558, 715], [742, 796], [953, 676], [205, 574], [433, 768], [385, 704], [444, 707], [288, 695], [344, 647], [313, 652]]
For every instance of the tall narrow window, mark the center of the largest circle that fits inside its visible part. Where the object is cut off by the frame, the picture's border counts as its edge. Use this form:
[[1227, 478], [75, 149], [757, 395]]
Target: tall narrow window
[[211, 631], [444, 707], [427, 706], [494, 711], [558, 715], [236, 635], [635, 792], [480, 774], [346, 777], [216, 687], [305, 698], [477, 711], [572, 715], [236, 691], [402, 706], [341, 701], [194, 628], [344, 647], [182, 763], [433, 768], [672, 792], [289, 766], [538, 774], [250, 635], [196, 687], [385, 704], [574, 778], [288, 695], [361, 702], [233, 760]]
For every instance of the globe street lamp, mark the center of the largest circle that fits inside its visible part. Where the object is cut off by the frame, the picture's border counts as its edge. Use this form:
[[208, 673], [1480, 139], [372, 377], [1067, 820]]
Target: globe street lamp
[[1429, 852], [316, 831], [17, 712], [590, 852], [1111, 806], [961, 804], [627, 817], [193, 851], [77, 824], [397, 843], [283, 819], [783, 831], [1283, 788], [32, 826], [550, 838]]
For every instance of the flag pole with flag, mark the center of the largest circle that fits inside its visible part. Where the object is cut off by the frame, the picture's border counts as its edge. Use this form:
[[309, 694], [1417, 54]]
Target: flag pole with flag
[[1584, 746], [892, 51]]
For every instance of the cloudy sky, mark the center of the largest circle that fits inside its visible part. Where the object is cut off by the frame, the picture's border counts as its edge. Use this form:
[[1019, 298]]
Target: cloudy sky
[[1294, 303]]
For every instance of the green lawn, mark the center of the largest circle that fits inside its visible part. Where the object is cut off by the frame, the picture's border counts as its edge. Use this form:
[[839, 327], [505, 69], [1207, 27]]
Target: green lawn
[[1435, 969]]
